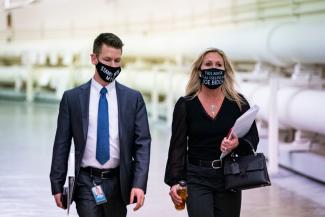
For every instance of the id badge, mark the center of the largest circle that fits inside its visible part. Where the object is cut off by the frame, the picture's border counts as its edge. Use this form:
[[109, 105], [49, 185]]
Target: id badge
[[98, 194]]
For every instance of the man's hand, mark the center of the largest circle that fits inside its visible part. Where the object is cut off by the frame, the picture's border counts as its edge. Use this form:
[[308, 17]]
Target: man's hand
[[177, 200], [139, 194], [57, 198]]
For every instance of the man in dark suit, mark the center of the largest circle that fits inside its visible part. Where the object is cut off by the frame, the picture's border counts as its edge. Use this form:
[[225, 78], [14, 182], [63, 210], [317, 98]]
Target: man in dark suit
[[109, 126]]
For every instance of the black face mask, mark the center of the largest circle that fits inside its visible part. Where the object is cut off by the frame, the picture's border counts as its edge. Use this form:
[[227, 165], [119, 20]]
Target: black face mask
[[212, 78], [107, 73]]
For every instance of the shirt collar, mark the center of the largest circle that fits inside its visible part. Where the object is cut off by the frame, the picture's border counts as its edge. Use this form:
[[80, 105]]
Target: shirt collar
[[97, 86]]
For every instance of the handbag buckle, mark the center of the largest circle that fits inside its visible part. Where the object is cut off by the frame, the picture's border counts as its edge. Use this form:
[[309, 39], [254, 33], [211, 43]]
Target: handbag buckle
[[216, 164]]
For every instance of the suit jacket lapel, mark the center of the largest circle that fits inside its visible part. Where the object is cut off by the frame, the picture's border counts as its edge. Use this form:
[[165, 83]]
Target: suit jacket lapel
[[84, 105], [121, 105]]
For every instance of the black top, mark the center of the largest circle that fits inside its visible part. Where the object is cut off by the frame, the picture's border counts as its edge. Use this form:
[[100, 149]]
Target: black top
[[197, 135]]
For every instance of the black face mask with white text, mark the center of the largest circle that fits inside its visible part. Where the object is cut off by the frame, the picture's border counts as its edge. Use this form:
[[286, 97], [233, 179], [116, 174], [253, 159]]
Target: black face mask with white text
[[107, 73], [212, 78]]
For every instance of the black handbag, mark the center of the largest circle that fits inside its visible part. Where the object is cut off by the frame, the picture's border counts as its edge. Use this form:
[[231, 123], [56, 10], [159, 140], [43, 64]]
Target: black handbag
[[245, 172]]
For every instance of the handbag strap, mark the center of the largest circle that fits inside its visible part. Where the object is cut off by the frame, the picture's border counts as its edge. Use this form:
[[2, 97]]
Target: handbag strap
[[251, 147], [233, 154]]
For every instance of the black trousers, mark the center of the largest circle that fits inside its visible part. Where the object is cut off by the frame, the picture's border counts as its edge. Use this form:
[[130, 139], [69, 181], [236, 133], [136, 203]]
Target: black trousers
[[206, 194], [85, 202]]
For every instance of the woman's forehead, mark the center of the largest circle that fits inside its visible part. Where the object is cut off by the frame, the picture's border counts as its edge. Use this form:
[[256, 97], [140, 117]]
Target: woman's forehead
[[213, 56]]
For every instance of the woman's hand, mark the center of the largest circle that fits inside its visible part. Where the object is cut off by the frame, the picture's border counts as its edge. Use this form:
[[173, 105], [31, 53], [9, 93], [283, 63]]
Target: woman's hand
[[229, 144], [177, 200]]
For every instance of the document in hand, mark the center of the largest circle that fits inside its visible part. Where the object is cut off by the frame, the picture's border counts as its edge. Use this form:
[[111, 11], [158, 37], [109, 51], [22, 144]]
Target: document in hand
[[245, 121], [243, 124], [71, 180]]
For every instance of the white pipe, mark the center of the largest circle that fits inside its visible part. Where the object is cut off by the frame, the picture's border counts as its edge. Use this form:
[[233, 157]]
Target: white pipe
[[273, 128], [299, 108], [154, 96], [29, 84], [298, 42], [306, 109], [279, 44], [170, 99]]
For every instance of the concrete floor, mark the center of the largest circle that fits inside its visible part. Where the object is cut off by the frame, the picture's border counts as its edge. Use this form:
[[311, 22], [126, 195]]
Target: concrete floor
[[27, 133]]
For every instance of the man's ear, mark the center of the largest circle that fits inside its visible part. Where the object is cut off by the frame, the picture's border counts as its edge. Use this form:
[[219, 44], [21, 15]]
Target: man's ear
[[93, 58]]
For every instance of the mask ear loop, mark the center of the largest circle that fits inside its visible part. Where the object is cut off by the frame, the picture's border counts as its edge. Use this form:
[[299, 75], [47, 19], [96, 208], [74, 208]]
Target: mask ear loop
[[200, 73], [97, 59]]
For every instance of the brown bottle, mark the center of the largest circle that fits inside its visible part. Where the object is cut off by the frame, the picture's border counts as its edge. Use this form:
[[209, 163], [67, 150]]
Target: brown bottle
[[182, 192]]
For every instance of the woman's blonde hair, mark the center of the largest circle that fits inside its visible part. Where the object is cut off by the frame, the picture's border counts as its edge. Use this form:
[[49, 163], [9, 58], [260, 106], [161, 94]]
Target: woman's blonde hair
[[194, 84]]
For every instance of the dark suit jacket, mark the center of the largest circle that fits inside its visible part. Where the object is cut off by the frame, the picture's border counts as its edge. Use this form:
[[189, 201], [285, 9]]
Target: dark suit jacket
[[134, 137]]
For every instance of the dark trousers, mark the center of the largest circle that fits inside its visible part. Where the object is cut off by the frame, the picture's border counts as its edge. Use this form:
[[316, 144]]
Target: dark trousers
[[85, 202], [206, 194]]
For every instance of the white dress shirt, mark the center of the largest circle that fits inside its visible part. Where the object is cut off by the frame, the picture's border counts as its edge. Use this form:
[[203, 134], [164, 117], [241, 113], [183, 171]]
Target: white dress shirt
[[89, 157]]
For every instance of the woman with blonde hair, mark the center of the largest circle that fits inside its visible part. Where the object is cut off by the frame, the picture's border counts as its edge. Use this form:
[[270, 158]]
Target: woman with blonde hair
[[201, 121]]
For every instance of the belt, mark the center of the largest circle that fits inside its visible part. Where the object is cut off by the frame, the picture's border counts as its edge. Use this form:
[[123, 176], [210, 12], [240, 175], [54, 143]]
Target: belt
[[215, 164], [101, 173]]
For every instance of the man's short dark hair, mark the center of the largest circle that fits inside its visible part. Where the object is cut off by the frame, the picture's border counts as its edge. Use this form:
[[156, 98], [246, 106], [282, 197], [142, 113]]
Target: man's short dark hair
[[109, 39]]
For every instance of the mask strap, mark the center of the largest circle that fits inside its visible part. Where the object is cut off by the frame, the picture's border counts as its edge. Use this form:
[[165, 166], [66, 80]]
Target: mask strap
[[200, 73]]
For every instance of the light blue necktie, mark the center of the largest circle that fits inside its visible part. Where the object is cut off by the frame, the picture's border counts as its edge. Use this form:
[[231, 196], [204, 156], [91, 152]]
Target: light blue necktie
[[102, 149]]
